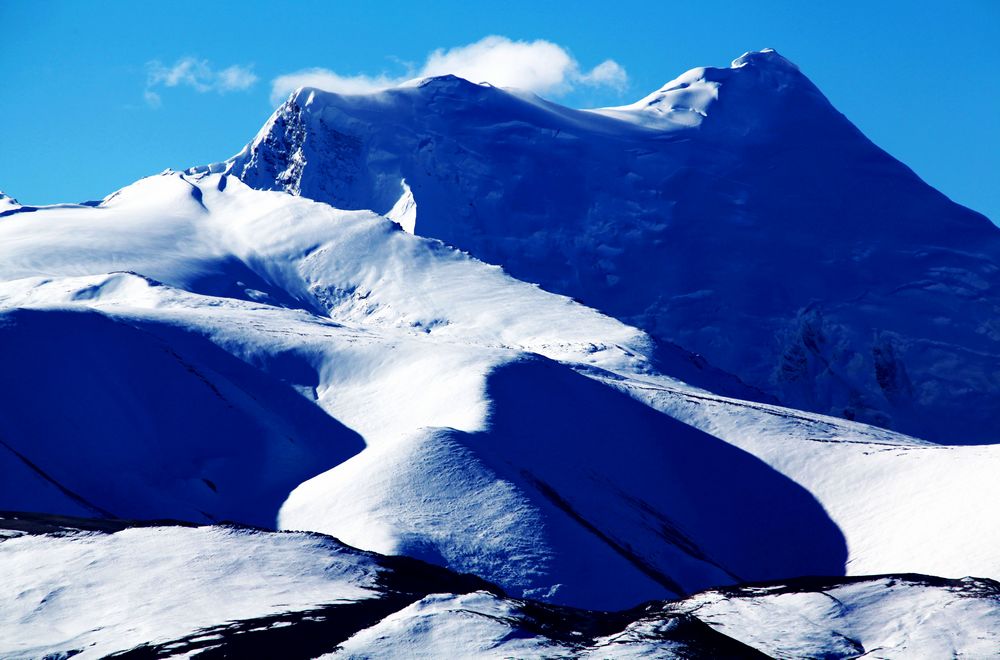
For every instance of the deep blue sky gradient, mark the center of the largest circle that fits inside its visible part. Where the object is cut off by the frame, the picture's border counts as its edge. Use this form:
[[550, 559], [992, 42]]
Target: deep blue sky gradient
[[919, 78]]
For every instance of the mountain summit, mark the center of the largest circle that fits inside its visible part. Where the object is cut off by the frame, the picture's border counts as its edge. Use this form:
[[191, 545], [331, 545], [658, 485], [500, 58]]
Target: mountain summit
[[734, 212]]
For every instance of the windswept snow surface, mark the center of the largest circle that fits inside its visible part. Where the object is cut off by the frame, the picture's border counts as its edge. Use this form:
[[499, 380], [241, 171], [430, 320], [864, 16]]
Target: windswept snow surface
[[103, 593], [894, 616], [89, 589], [193, 348], [734, 212], [94, 594], [906, 616]]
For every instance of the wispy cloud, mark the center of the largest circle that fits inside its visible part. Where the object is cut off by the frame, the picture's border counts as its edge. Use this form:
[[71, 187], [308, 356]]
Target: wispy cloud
[[331, 82], [538, 66], [196, 74]]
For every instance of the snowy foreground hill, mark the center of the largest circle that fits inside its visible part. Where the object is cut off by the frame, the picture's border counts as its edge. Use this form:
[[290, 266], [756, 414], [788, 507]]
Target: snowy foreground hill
[[206, 347], [158, 592]]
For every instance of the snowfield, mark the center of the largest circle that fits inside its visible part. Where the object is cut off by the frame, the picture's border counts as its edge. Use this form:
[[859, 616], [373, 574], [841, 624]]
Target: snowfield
[[104, 593], [412, 377]]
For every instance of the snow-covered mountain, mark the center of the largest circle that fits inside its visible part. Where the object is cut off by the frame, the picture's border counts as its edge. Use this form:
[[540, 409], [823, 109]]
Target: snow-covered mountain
[[733, 208], [193, 347]]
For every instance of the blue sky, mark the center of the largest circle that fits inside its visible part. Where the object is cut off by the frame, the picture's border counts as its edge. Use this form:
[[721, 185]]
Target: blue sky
[[96, 95]]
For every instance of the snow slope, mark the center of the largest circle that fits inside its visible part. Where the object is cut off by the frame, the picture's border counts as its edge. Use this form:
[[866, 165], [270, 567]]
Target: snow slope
[[904, 616], [7, 203], [193, 348], [95, 593], [567, 481], [136, 420], [733, 208], [895, 616], [900, 502], [92, 589]]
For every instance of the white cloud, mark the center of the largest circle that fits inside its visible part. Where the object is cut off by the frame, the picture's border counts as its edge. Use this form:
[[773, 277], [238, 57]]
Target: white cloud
[[330, 81], [196, 74], [235, 78], [537, 66], [608, 74], [540, 66]]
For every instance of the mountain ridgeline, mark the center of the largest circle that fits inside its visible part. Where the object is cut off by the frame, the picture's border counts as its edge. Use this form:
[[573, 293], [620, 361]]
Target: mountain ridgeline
[[734, 212]]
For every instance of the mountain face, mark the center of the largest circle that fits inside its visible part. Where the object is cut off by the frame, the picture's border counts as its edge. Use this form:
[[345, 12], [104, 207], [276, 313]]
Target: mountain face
[[734, 212]]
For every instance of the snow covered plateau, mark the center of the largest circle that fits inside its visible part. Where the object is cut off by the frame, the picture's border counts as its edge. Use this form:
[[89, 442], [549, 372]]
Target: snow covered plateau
[[453, 371]]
